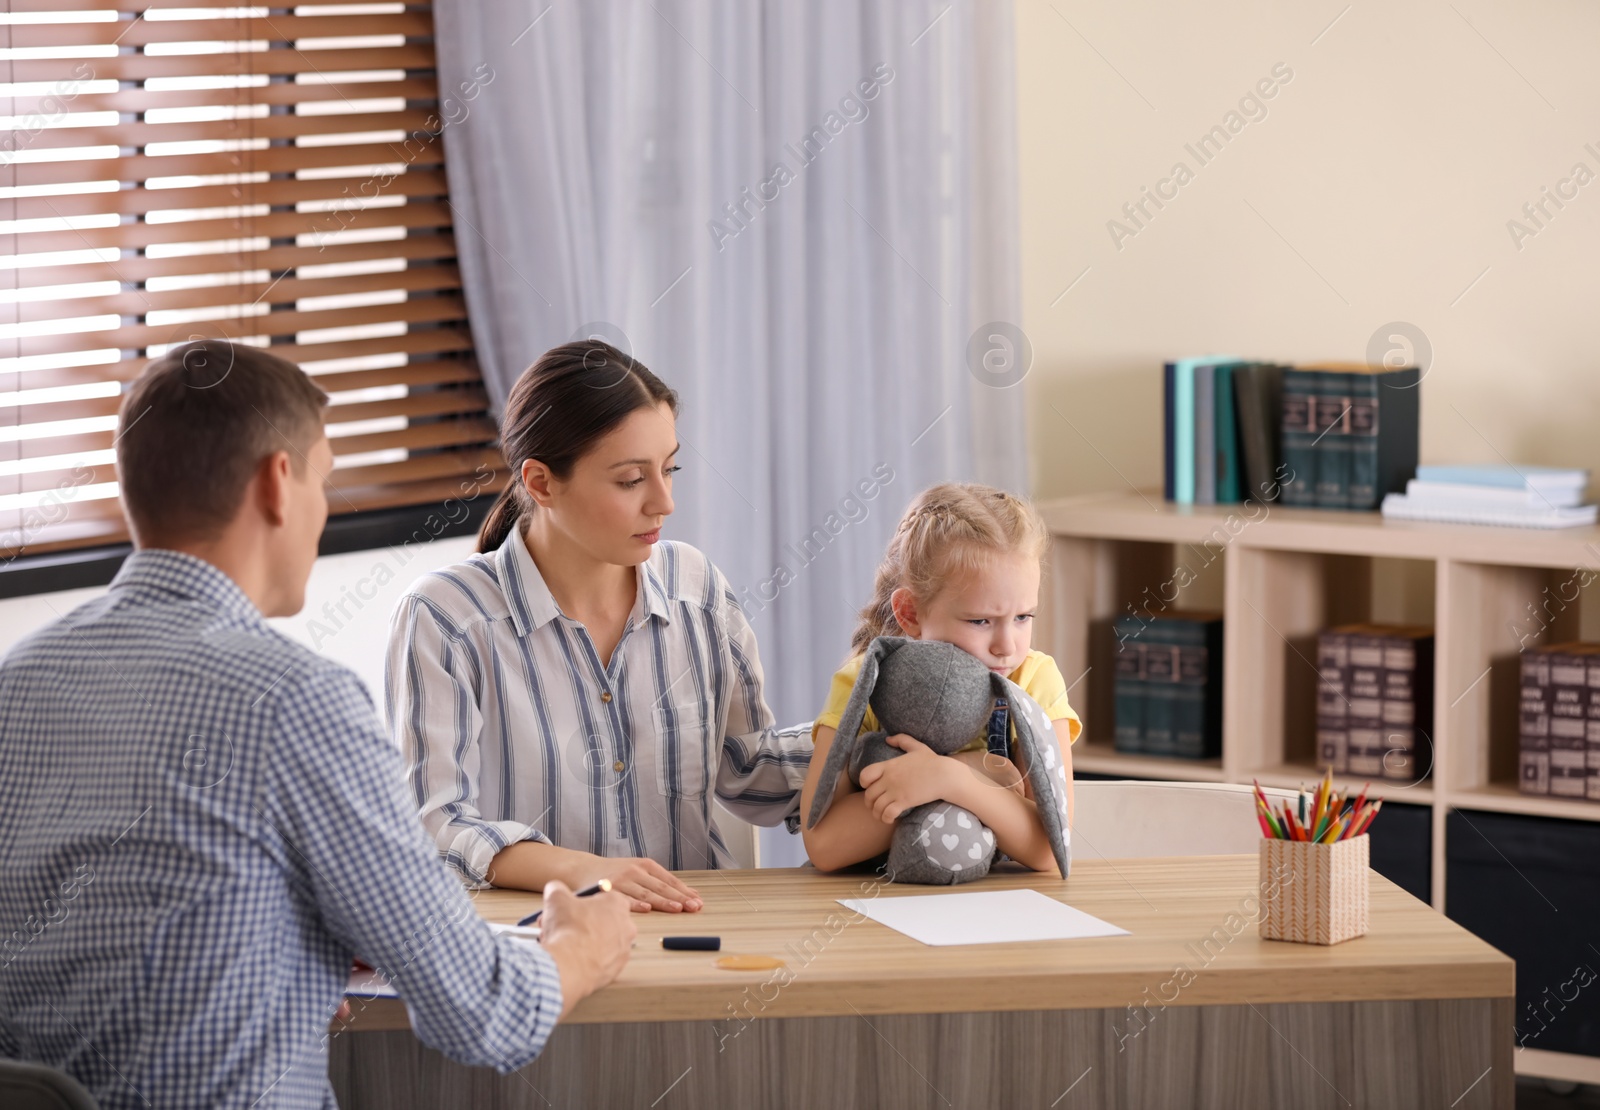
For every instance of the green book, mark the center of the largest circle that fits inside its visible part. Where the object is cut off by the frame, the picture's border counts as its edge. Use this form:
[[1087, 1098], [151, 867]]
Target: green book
[[1230, 484], [1383, 434], [1159, 689], [1197, 697], [1183, 676], [1128, 693], [1299, 436], [1333, 436]]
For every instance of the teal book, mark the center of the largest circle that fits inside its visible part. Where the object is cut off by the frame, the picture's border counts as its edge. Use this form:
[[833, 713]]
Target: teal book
[[1333, 437], [1159, 691], [1229, 457], [1185, 423], [1197, 684], [1383, 435], [1128, 688], [1299, 437], [1183, 685], [1205, 434], [1183, 431]]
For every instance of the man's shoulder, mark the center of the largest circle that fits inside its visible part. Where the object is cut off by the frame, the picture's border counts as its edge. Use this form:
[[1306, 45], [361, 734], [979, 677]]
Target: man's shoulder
[[234, 657]]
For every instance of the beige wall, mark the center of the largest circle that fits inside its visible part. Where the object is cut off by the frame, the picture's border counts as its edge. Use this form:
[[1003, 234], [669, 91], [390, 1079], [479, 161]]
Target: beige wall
[[1387, 168]]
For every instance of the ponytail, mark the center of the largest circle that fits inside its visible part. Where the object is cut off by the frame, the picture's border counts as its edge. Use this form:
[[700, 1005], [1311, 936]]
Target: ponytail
[[505, 516], [877, 619]]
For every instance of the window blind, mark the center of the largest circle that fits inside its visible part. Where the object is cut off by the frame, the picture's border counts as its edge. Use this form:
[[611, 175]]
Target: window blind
[[269, 175]]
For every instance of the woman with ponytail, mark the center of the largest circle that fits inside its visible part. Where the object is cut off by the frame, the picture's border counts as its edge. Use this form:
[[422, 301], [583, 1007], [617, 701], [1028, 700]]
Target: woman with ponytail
[[572, 698]]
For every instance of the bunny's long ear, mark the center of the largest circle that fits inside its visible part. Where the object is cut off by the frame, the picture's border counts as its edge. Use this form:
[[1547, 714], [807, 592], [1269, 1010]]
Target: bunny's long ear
[[855, 710], [1046, 772]]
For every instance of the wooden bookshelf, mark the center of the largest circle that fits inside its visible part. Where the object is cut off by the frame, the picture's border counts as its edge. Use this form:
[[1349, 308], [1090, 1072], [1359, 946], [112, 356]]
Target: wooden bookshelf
[[1281, 575]]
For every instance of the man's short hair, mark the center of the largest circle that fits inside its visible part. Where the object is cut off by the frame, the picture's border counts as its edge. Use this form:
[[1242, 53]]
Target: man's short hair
[[195, 425]]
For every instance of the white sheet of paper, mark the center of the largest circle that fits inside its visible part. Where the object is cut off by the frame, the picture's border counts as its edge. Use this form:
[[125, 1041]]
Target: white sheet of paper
[[369, 984], [526, 932], [982, 917]]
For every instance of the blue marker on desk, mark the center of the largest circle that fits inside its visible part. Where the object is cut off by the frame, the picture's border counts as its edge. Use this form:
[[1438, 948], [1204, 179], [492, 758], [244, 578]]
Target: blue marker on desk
[[692, 944]]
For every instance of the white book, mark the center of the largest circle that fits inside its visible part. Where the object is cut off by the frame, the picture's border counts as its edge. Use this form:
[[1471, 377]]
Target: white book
[[1421, 489], [1398, 506], [1544, 478]]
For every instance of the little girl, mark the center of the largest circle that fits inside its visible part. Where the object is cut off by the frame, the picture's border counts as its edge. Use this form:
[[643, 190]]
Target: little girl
[[963, 567]]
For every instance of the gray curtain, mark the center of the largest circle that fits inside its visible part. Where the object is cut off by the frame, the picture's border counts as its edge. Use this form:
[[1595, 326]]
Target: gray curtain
[[802, 216]]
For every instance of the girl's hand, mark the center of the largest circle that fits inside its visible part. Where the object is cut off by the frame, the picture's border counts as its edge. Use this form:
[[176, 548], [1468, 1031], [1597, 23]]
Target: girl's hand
[[918, 777], [995, 768], [647, 885]]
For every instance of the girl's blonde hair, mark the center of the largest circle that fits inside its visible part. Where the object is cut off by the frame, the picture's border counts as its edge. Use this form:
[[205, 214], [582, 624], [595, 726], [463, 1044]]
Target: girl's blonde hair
[[947, 530]]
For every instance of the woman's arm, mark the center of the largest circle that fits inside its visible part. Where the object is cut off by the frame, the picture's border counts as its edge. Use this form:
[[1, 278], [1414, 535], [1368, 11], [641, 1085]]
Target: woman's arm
[[433, 708], [848, 833], [649, 886], [759, 769], [431, 671]]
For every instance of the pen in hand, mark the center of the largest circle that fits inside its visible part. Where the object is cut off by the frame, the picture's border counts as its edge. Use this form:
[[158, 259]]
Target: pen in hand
[[598, 888]]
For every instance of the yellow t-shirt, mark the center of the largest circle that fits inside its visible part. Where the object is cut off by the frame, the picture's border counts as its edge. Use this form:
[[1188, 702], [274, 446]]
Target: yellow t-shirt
[[1038, 676]]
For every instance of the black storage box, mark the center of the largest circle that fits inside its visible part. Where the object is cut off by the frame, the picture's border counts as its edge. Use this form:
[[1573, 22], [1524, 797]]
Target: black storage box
[[1400, 844], [1530, 886]]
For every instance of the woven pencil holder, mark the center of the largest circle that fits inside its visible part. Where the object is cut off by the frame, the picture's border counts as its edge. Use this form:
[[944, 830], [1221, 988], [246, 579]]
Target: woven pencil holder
[[1313, 893]]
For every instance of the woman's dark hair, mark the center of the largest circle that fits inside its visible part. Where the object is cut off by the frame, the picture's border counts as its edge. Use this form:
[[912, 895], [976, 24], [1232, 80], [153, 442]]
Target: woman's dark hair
[[567, 400]]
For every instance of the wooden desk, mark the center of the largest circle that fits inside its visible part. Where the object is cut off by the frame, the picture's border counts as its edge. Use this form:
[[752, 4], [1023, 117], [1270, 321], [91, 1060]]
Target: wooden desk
[[1192, 1009]]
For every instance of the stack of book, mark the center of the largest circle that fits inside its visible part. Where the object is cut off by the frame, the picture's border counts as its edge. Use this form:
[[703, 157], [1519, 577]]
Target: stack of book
[[1168, 685], [1518, 497], [1335, 436], [1375, 700], [1559, 734]]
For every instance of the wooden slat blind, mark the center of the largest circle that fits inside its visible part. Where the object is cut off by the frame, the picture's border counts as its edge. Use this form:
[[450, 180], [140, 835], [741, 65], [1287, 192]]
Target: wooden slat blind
[[271, 175]]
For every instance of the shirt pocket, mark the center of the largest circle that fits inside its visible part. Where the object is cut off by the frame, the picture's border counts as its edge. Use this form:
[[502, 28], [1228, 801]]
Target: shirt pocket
[[683, 748]]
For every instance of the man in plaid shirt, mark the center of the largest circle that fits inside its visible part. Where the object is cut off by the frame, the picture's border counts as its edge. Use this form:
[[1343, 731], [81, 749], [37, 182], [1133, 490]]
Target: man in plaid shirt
[[203, 821]]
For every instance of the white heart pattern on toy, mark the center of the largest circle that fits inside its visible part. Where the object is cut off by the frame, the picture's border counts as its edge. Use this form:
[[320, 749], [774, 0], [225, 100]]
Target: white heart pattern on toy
[[937, 820], [950, 841], [988, 837], [962, 820], [976, 851]]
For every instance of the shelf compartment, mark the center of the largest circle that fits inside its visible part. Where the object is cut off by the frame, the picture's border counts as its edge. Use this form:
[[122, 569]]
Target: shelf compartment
[[1280, 601], [1496, 613], [1090, 583]]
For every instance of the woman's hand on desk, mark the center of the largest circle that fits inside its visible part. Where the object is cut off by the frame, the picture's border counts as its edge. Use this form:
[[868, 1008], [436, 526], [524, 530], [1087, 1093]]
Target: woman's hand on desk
[[527, 865], [589, 939]]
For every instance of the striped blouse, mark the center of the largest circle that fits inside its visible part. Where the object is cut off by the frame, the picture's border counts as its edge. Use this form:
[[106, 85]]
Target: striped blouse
[[513, 729]]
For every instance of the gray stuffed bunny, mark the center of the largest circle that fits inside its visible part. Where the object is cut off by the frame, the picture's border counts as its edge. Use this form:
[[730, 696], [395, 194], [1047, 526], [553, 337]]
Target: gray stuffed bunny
[[944, 697]]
